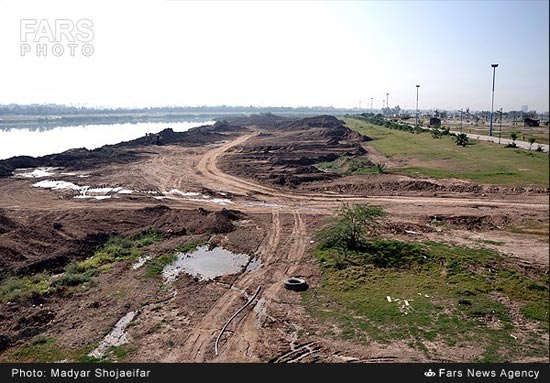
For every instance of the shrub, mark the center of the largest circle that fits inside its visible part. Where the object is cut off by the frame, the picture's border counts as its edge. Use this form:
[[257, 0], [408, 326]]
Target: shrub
[[351, 227]]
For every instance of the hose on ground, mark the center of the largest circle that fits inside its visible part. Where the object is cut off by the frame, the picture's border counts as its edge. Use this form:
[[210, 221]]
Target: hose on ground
[[233, 317]]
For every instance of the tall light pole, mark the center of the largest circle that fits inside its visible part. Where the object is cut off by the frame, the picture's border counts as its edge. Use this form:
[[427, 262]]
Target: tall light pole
[[494, 66], [371, 104], [418, 86], [387, 100], [460, 120]]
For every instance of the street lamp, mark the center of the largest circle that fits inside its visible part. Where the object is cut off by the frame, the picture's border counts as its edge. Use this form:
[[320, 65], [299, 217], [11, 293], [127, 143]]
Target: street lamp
[[418, 86], [460, 120], [494, 66], [371, 104], [387, 100]]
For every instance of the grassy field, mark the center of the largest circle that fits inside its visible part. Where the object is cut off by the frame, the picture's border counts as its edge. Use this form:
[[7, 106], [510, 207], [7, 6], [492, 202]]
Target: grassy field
[[479, 162], [433, 294]]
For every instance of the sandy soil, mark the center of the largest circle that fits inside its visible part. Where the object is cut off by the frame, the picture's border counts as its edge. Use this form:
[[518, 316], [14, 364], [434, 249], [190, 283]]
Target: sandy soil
[[180, 322]]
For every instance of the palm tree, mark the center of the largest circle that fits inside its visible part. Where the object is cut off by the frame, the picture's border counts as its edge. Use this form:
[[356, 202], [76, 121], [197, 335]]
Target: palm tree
[[461, 139], [380, 168]]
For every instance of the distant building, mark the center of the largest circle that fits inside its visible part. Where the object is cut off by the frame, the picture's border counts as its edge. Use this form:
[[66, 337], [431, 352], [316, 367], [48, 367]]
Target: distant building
[[524, 108], [532, 122], [434, 121]]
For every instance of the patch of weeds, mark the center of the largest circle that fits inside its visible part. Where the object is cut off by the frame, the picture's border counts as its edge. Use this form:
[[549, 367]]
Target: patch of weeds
[[147, 238], [39, 350], [347, 165], [119, 353], [14, 288], [155, 266], [188, 247]]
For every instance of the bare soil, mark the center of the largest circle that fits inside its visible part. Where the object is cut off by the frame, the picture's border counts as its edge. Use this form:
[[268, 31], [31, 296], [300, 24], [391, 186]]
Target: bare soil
[[278, 200]]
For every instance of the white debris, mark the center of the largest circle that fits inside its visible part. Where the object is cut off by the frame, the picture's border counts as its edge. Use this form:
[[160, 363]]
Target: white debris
[[57, 185], [513, 336], [141, 261], [388, 298], [116, 337], [406, 303], [181, 193], [37, 173], [411, 232], [99, 197], [219, 201]]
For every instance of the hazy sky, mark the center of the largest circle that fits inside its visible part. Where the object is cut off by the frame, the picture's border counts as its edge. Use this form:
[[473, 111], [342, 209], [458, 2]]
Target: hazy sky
[[150, 53]]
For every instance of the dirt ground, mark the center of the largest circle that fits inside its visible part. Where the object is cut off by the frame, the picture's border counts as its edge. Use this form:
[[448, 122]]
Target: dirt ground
[[279, 201]]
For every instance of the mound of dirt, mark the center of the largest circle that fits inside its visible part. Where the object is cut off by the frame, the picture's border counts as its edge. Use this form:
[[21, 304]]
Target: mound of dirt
[[284, 152], [6, 224], [470, 222], [391, 184], [49, 241]]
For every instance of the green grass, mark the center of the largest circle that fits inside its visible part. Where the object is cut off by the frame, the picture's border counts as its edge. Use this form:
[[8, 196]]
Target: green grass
[[479, 162], [41, 349], [155, 266], [450, 290], [189, 247], [346, 165], [13, 288]]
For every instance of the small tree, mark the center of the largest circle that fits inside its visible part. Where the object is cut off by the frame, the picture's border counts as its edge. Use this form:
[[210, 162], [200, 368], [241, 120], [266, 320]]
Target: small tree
[[531, 142], [461, 139], [351, 227], [436, 133], [514, 136]]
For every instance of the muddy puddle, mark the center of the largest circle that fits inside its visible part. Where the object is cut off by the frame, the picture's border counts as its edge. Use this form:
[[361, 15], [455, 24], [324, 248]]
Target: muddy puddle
[[208, 264]]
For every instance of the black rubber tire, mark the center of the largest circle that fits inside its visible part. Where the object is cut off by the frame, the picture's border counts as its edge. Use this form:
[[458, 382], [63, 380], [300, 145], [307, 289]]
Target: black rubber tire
[[295, 284]]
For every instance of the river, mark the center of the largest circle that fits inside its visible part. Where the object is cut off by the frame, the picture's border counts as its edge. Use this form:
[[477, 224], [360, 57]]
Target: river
[[29, 142]]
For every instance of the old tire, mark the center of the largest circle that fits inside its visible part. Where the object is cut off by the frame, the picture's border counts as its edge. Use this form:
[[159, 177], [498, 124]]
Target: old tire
[[295, 284]]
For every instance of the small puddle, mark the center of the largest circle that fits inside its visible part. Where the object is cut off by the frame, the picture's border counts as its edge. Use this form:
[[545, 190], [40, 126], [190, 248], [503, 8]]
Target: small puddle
[[116, 337], [209, 264]]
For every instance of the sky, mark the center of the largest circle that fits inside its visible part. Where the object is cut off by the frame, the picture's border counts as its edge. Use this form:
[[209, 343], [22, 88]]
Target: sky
[[279, 53]]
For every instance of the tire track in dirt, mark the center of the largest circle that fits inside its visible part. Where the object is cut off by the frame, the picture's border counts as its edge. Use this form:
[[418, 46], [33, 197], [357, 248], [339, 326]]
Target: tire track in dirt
[[199, 345], [249, 338], [209, 169]]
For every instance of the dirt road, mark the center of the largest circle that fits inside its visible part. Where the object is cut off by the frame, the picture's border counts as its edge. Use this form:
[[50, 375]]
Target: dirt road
[[267, 330]]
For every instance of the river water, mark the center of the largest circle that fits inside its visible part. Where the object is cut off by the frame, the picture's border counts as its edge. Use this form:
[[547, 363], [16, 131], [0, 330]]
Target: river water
[[29, 142]]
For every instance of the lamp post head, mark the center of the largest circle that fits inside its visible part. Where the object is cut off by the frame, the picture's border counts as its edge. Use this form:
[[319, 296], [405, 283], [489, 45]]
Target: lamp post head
[[494, 65], [418, 86]]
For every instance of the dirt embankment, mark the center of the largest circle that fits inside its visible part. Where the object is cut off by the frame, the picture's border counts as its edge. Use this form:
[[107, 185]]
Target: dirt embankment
[[124, 152], [391, 184], [48, 241], [284, 153]]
